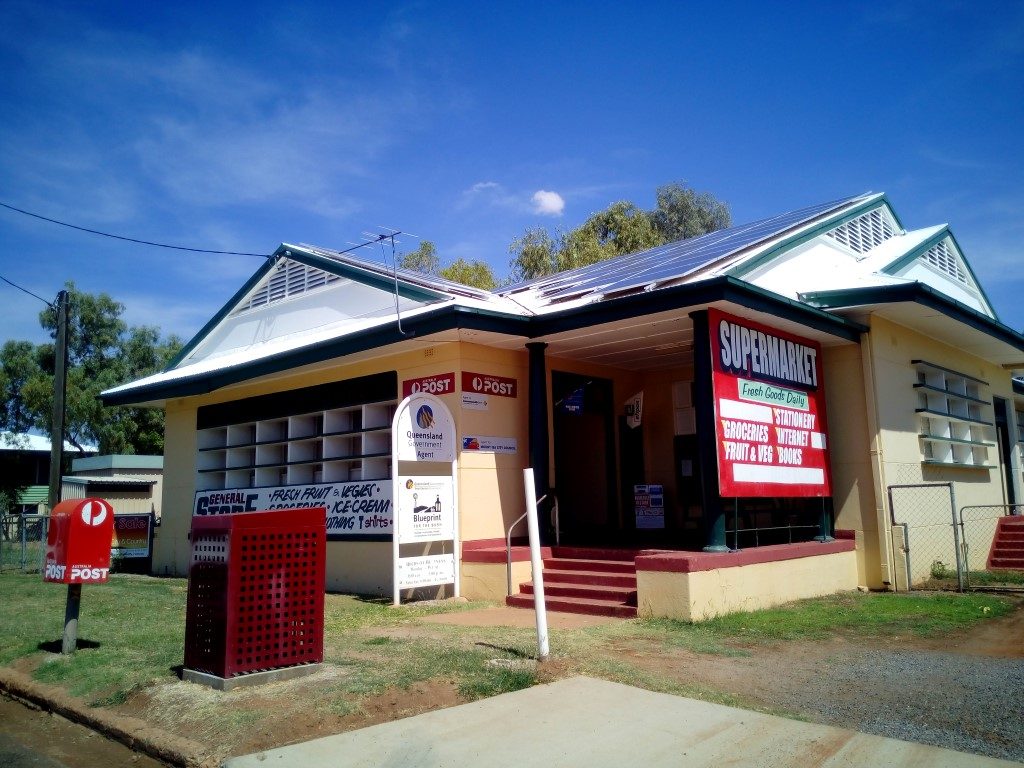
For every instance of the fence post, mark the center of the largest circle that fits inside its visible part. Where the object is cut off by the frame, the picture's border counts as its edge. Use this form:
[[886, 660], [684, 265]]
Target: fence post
[[960, 564], [24, 542]]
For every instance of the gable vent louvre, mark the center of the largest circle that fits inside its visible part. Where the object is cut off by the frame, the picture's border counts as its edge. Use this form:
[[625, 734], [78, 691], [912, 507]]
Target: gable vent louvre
[[288, 279], [865, 232], [943, 257]]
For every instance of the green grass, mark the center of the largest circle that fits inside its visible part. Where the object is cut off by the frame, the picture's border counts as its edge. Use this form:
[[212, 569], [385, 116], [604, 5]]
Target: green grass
[[878, 614], [995, 578], [132, 633]]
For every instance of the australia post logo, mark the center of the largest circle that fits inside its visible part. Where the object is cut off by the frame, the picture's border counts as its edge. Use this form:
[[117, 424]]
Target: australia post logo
[[94, 512], [486, 384]]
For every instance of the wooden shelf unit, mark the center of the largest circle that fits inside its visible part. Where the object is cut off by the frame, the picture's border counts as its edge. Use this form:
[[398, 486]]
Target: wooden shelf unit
[[330, 446], [956, 423]]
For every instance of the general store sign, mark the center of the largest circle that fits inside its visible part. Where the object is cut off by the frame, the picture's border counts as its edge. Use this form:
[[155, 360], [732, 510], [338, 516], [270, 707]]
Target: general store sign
[[486, 384], [353, 509], [769, 410]]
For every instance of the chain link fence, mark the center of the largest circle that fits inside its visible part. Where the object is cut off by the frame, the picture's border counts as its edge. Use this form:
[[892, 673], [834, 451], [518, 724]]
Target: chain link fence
[[23, 542], [924, 536], [934, 546]]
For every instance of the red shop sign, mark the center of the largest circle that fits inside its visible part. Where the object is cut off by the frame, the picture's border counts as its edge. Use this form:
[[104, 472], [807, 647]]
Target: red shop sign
[[770, 426], [486, 384], [439, 384]]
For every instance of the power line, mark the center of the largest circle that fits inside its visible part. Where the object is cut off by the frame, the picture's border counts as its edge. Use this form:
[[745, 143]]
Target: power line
[[26, 290], [132, 239]]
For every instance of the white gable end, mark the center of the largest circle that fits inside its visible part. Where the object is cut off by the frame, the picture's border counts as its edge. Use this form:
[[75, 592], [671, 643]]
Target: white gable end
[[943, 268], [277, 309]]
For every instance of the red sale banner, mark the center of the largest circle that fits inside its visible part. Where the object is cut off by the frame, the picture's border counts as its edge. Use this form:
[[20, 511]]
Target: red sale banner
[[769, 410]]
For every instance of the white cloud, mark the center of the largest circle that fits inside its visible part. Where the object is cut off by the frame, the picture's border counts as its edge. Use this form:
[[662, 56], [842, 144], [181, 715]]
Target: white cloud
[[493, 194], [547, 203]]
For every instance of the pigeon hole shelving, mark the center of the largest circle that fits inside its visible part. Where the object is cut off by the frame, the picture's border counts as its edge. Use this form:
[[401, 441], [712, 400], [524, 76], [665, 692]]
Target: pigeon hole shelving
[[955, 417], [329, 446]]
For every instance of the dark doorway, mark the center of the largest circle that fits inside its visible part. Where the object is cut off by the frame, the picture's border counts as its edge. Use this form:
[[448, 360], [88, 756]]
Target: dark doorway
[[585, 458], [1003, 436]]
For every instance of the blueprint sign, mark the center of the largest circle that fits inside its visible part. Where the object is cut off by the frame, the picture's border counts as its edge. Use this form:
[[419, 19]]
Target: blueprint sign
[[353, 509]]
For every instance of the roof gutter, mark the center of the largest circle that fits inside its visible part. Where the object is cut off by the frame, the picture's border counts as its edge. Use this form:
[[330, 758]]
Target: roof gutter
[[917, 293], [451, 317]]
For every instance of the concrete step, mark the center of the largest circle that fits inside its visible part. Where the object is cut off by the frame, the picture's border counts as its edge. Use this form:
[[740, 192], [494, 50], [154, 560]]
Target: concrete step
[[1002, 548], [578, 564], [587, 591], [577, 605], [627, 580], [595, 553], [1011, 563]]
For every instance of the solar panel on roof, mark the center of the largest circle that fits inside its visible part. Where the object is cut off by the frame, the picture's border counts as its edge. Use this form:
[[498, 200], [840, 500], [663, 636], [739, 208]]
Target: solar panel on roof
[[669, 261]]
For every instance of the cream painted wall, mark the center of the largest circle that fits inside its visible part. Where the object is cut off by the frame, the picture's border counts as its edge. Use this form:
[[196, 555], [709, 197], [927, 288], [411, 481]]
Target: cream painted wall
[[706, 594], [490, 485], [853, 488], [170, 545], [892, 348]]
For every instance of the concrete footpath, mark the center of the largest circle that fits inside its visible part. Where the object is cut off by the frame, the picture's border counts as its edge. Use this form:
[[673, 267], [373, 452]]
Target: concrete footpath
[[594, 723]]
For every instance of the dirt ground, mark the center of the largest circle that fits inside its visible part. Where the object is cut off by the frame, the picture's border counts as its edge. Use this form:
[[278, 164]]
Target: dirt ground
[[933, 690]]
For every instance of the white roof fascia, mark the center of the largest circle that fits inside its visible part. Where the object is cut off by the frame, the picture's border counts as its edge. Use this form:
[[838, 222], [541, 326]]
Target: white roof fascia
[[290, 344]]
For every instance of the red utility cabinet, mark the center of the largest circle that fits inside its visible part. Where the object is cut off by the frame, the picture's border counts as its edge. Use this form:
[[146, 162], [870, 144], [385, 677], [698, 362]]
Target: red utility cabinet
[[256, 592], [78, 542]]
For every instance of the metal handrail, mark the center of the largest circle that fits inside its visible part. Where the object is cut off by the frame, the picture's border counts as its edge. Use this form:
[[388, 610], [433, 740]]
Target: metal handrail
[[757, 541], [508, 542]]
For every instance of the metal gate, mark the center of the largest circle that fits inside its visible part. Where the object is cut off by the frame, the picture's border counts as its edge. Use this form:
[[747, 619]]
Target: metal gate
[[23, 542], [924, 537]]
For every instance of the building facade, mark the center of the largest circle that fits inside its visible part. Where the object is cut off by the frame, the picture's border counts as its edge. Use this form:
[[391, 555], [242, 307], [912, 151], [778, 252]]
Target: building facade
[[732, 409]]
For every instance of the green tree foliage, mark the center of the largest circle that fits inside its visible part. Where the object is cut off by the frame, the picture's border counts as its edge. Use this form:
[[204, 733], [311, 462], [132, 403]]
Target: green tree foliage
[[533, 255], [474, 273], [424, 259], [18, 364], [103, 352], [619, 229], [681, 212]]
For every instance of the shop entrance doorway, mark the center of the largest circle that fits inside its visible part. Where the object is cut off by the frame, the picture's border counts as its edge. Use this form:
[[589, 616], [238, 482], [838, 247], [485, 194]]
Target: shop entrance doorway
[[585, 459]]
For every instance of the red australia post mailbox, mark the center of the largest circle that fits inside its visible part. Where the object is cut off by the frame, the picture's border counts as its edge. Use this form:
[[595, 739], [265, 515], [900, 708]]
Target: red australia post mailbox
[[78, 542]]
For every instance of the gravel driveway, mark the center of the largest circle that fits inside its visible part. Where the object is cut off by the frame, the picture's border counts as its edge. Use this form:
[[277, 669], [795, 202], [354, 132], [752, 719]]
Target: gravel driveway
[[966, 703]]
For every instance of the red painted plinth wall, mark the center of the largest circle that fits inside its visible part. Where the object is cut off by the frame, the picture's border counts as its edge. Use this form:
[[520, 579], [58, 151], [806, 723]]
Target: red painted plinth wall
[[256, 592]]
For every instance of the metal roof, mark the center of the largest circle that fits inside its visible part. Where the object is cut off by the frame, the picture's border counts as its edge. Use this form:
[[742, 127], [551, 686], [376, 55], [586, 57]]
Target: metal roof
[[126, 481], [670, 261]]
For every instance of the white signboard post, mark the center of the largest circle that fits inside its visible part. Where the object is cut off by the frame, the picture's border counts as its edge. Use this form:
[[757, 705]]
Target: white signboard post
[[425, 505]]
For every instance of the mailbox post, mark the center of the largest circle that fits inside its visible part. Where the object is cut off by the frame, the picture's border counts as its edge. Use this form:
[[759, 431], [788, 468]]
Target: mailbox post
[[77, 553]]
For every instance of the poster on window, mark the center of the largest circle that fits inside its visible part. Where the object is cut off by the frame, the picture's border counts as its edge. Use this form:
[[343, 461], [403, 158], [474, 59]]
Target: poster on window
[[769, 397]]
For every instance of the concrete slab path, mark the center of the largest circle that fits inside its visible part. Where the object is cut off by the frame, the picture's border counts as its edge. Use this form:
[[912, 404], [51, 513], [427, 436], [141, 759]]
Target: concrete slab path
[[595, 723]]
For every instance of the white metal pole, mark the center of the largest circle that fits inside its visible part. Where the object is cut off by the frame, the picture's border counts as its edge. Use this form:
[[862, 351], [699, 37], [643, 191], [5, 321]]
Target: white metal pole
[[536, 565], [395, 593], [456, 539]]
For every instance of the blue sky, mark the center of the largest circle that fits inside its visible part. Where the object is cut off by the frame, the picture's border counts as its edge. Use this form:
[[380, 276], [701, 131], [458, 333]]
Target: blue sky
[[238, 126]]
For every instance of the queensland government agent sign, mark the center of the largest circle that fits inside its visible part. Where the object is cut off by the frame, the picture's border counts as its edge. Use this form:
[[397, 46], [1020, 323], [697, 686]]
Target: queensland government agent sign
[[354, 510]]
